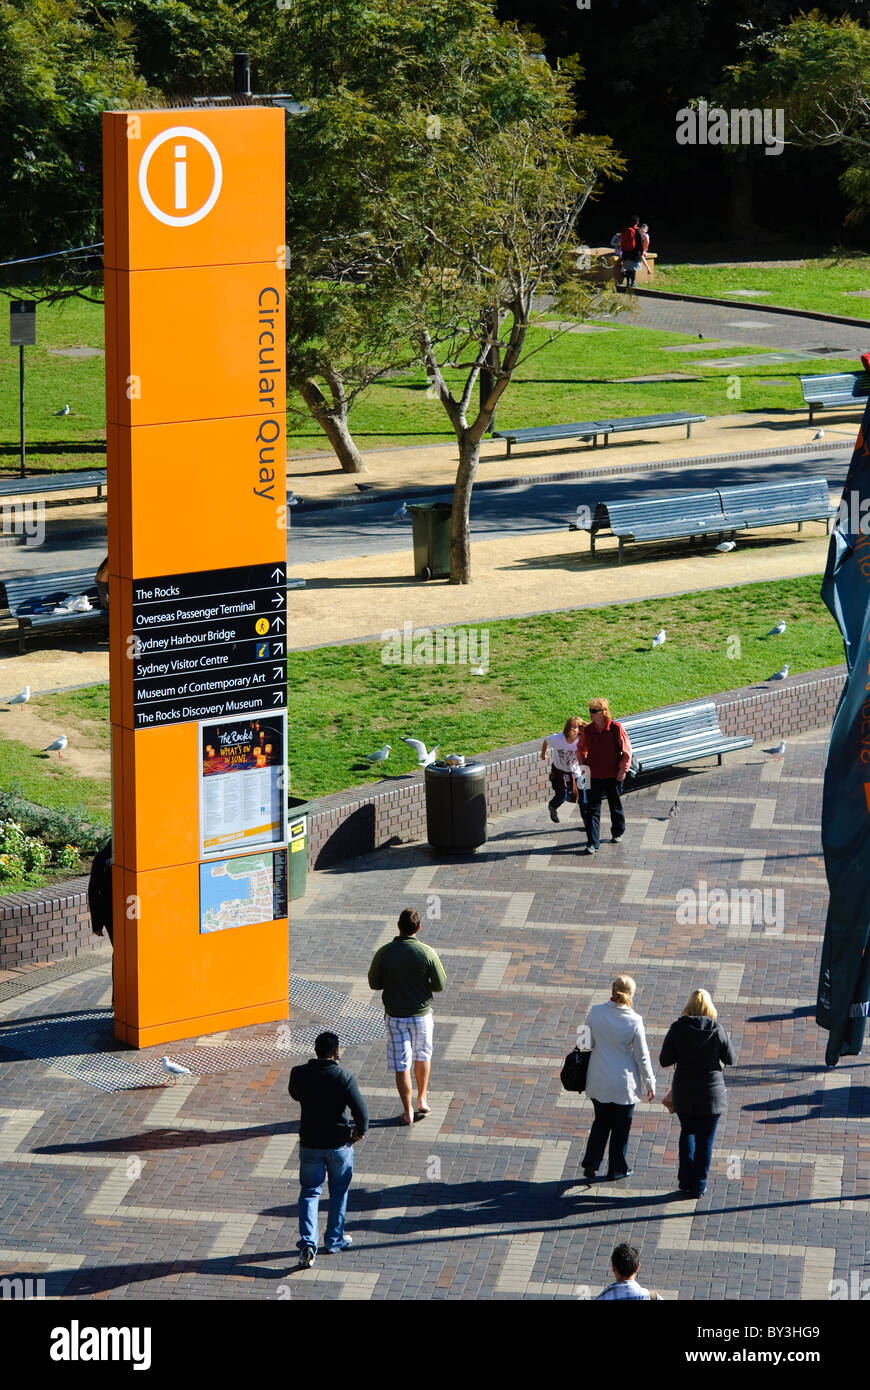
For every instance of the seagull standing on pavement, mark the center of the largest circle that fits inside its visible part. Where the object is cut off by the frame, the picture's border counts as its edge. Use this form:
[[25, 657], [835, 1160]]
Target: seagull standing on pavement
[[58, 746], [724, 546], [778, 751], [175, 1069], [402, 514], [21, 698], [778, 630], [424, 756], [381, 755], [779, 675], [674, 809], [659, 639]]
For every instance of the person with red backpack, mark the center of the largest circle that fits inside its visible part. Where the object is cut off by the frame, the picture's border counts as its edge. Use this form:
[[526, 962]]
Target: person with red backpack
[[631, 249], [606, 748]]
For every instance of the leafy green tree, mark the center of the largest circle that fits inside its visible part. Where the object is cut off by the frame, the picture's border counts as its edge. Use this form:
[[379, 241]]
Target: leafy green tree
[[818, 71], [484, 201], [57, 74], [434, 190]]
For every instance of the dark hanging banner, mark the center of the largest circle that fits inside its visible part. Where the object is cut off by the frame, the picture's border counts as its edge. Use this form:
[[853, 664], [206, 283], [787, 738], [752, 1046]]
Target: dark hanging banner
[[844, 975]]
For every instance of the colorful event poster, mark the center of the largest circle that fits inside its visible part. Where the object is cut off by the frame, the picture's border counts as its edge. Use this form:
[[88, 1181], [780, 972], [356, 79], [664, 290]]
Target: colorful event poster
[[242, 797]]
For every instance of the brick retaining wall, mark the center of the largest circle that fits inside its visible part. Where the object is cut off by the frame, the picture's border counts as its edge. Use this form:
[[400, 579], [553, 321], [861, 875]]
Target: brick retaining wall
[[51, 923], [46, 924]]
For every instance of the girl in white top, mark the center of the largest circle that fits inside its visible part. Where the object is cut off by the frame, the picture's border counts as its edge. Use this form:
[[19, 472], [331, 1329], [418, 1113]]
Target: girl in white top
[[568, 777]]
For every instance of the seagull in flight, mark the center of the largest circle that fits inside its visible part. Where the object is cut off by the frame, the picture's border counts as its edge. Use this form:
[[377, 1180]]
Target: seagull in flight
[[424, 756]]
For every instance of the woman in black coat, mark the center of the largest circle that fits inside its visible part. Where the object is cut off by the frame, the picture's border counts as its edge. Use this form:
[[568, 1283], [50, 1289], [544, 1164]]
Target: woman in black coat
[[700, 1047]]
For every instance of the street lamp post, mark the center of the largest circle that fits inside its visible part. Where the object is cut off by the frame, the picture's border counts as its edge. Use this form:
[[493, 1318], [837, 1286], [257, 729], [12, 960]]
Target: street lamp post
[[22, 332]]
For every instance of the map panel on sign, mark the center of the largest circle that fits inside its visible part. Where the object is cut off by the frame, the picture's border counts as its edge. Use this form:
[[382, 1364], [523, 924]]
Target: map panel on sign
[[243, 891]]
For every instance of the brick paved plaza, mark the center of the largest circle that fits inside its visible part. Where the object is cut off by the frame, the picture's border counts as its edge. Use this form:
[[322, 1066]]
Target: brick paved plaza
[[117, 1186]]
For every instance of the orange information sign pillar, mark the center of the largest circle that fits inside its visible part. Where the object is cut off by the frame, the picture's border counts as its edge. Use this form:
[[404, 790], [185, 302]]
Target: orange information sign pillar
[[194, 233]]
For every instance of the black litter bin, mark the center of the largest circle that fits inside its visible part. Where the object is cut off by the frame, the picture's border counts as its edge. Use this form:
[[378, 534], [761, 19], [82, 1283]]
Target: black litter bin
[[431, 529], [455, 806], [297, 850]]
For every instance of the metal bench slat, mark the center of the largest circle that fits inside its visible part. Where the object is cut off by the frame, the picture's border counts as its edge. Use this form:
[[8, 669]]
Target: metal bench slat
[[53, 482], [641, 422]]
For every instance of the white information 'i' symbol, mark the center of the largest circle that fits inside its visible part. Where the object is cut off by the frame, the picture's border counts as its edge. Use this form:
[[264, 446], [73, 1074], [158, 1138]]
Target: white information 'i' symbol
[[180, 217], [180, 178]]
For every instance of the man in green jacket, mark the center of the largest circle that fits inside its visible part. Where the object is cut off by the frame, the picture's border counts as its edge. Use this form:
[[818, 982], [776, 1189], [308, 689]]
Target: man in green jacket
[[408, 973]]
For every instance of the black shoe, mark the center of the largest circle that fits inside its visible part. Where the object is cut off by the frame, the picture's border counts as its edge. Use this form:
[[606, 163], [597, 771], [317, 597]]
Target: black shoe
[[554, 815], [589, 1174], [617, 1177], [309, 1255]]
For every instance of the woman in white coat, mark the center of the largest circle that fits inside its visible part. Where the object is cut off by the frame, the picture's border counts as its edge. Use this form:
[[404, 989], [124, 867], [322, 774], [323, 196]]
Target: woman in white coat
[[620, 1071]]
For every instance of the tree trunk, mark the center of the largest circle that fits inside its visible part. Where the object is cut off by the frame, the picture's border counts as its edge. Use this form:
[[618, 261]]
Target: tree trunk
[[460, 541], [333, 422], [741, 218]]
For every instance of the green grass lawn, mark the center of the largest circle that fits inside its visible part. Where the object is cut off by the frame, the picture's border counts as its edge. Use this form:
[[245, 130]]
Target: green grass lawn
[[822, 285], [576, 377], [345, 702]]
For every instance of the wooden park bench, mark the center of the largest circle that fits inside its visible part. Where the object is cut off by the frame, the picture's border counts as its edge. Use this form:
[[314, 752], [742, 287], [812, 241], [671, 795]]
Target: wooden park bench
[[46, 483], [32, 599], [669, 737], [719, 512], [665, 518], [633, 423], [591, 429], [587, 429], [772, 504], [840, 392]]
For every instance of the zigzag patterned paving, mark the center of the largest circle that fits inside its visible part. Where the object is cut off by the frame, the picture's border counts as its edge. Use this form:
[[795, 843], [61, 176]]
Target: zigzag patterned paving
[[115, 1185]]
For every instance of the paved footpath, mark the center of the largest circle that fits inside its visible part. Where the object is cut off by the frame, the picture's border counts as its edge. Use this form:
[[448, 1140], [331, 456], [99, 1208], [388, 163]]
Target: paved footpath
[[117, 1186]]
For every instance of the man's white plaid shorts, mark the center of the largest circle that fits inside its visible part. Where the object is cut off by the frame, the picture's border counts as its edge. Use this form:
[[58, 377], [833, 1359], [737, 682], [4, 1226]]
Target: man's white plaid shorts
[[409, 1039]]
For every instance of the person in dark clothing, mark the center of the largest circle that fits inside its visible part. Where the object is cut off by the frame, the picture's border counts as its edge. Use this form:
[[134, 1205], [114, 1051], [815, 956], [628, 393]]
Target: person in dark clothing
[[100, 892], [700, 1048], [326, 1139]]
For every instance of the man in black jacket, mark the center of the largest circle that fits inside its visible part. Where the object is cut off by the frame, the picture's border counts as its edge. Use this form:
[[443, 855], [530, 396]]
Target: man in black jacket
[[326, 1139]]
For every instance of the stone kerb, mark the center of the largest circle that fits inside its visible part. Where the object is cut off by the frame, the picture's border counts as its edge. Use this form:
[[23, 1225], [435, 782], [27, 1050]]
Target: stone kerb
[[51, 923]]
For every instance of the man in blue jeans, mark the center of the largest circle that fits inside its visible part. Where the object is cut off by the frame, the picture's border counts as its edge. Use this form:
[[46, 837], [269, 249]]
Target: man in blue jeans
[[326, 1138]]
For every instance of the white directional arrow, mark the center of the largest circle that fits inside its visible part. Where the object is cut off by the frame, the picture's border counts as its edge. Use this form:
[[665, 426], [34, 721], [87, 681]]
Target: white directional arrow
[[277, 673], [279, 697], [277, 575], [278, 600], [278, 623], [279, 648]]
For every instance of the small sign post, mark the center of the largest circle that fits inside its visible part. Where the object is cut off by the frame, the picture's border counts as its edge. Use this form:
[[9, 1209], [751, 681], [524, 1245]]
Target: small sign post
[[22, 334]]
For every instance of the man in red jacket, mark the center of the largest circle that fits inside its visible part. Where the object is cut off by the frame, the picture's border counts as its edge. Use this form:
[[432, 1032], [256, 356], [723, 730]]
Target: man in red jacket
[[607, 753]]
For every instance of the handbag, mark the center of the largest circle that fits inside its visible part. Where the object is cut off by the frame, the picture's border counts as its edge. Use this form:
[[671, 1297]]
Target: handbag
[[573, 1073], [668, 1101]]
